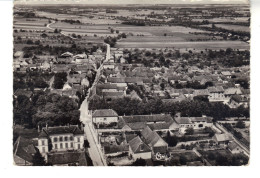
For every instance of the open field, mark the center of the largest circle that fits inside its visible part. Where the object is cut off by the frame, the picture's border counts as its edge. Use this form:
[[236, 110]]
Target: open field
[[176, 37], [200, 45], [157, 31], [30, 24], [227, 19], [173, 33], [84, 19], [234, 27]]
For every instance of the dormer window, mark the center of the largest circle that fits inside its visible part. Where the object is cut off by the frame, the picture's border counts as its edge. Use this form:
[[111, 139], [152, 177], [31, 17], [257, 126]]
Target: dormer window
[[141, 147]]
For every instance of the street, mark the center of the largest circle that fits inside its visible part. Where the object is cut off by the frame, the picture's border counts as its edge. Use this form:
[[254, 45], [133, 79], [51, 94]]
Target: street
[[85, 117]]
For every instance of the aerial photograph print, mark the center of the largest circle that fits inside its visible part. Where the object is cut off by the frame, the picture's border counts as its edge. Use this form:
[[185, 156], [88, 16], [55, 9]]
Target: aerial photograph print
[[131, 83]]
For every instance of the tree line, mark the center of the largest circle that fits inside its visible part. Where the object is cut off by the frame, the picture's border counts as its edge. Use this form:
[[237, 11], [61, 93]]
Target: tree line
[[187, 108]]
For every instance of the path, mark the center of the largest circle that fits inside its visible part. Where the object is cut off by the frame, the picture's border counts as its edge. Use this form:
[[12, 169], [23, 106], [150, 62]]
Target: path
[[53, 22]]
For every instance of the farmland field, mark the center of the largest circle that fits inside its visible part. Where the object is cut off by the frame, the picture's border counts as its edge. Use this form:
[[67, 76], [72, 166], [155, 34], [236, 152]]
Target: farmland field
[[227, 19], [83, 19], [176, 33], [234, 27], [201, 45], [30, 24]]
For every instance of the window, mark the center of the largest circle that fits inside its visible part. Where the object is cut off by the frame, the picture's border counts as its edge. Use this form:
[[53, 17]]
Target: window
[[200, 125], [42, 142], [78, 139], [43, 149], [78, 146], [55, 139], [56, 146], [66, 145], [141, 147], [61, 146], [105, 119], [61, 139], [71, 138], [71, 144], [66, 138]]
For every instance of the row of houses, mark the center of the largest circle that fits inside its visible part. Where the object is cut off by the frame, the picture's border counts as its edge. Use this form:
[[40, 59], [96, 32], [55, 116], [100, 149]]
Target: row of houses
[[138, 134]]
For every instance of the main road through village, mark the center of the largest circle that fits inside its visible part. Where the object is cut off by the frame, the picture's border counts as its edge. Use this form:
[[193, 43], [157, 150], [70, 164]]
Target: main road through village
[[85, 117], [94, 149]]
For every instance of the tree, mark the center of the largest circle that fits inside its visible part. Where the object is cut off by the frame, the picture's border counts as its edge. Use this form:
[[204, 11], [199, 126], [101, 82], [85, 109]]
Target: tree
[[56, 30], [112, 30], [162, 85], [183, 160], [229, 51], [44, 35], [139, 162], [123, 35], [212, 156], [240, 124], [38, 160], [59, 80], [189, 131], [171, 140]]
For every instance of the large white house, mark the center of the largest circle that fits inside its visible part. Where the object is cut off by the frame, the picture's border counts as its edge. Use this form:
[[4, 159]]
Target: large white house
[[104, 116], [61, 138]]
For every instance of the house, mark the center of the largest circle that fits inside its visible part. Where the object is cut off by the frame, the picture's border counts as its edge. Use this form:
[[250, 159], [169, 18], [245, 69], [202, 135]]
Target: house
[[108, 65], [66, 54], [109, 96], [222, 139], [85, 82], [45, 66], [157, 122], [67, 86], [238, 100], [138, 149], [60, 68], [226, 74], [152, 139], [23, 151], [61, 138], [104, 116], [232, 91], [134, 95], [216, 94], [67, 159], [201, 92], [234, 148], [193, 122], [118, 81]]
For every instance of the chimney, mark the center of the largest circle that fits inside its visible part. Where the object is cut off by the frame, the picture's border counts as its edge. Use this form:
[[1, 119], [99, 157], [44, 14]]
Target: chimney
[[39, 129]]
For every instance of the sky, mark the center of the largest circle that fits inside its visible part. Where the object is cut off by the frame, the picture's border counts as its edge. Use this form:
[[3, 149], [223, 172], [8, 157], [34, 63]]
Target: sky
[[131, 1]]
